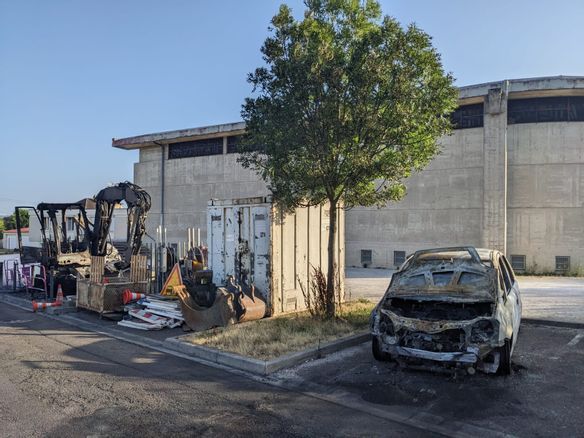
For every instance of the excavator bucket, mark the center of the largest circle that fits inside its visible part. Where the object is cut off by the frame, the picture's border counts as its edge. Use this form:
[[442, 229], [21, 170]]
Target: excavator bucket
[[248, 306], [198, 318], [253, 307]]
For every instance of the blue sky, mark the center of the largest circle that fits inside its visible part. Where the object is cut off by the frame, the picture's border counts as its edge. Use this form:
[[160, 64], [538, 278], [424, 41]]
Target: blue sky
[[75, 73]]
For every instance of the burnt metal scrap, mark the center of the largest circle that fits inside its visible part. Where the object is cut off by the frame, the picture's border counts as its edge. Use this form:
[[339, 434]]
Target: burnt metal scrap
[[450, 306], [138, 203]]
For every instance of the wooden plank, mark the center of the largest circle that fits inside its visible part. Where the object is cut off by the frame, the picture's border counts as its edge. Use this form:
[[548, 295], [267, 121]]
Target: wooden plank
[[96, 269], [138, 269]]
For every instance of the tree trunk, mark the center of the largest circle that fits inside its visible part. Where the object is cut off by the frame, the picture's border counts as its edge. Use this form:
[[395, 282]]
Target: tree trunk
[[330, 276]]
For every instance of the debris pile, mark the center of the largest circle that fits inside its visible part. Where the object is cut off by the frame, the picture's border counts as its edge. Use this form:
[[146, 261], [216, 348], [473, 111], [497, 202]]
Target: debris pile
[[153, 314]]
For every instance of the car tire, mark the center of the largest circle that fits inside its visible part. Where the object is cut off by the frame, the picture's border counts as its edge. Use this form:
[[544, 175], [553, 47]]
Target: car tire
[[505, 359], [376, 350]]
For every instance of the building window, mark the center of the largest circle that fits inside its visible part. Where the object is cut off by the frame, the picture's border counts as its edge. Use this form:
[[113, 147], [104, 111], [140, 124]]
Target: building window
[[562, 263], [546, 109], [518, 263], [366, 257], [399, 257], [468, 116], [70, 224], [233, 144], [196, 148]]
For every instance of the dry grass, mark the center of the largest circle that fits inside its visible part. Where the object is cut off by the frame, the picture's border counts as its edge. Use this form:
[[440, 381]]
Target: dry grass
[[272, 337]]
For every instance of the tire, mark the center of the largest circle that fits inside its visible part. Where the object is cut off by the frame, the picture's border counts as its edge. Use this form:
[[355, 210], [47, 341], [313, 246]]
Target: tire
[[376, 350], [505, 359]]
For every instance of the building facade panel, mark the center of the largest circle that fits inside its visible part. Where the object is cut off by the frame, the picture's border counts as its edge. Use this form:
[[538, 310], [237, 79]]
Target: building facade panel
[[384, 231], [546, 186], [542, 234], [511, 176], [543, 143], [461, 149]]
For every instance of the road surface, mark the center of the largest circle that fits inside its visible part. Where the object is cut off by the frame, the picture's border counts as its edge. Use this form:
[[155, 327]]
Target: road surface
[[59, 381]]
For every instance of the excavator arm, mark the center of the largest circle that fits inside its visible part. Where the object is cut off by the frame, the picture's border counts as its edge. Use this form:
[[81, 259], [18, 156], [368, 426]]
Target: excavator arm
[[138, 202]]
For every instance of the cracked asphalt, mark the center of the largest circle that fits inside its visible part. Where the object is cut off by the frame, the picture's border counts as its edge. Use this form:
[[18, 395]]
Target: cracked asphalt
[[58, 381]]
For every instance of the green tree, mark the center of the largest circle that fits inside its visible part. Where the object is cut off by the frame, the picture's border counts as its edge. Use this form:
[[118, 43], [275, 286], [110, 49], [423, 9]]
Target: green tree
[[10, 221], [347, 106]]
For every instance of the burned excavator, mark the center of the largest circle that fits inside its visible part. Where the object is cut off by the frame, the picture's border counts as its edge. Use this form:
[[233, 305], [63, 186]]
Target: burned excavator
[[69, 239]]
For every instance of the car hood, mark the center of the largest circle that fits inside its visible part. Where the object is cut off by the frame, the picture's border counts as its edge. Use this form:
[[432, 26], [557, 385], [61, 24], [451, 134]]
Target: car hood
[[457, 283]]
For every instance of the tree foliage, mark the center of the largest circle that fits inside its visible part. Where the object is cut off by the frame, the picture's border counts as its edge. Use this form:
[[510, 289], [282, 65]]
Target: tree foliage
[[9, 222], [348, 104]]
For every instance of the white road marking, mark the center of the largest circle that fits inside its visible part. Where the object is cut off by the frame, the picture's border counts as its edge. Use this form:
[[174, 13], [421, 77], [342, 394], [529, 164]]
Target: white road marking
[[575, 339], [16, 321]]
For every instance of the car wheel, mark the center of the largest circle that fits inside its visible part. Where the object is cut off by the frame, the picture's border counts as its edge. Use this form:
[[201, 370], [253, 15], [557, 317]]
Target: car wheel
[[376, 350], [505, 359]]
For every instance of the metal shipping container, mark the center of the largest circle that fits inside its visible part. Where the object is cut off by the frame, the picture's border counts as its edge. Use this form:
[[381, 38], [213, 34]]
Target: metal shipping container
[[276, 252]]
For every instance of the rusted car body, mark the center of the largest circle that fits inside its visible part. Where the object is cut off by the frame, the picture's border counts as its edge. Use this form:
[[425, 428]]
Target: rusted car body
[[450, 307]]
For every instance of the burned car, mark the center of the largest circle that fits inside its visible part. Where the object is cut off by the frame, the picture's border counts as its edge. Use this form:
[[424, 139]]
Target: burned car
[[450, 307]]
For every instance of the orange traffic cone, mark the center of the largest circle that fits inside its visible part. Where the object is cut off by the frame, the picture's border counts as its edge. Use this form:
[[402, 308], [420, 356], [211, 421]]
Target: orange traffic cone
[[59, 295], [132, 296], [42, 306]]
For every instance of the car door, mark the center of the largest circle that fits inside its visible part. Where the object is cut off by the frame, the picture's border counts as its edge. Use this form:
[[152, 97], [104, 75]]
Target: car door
[[511, 300], [514, 294]]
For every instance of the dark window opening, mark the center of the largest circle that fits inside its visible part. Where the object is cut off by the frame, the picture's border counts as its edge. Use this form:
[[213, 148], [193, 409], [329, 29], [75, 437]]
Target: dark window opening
[[562, 263], [196, 148], [399, 257], [468, 116], [506, 276], [233, 144], [366, 257], [509, 269], [546, 109], [518, 262]]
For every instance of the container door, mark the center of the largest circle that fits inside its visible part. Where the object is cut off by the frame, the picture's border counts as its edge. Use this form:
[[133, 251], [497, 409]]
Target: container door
[[230, 234], [261, 250], [244, 255], [215, 225]]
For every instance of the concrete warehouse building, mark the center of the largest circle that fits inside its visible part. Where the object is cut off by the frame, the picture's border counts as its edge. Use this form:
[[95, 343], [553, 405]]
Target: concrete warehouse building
[[510, 177]]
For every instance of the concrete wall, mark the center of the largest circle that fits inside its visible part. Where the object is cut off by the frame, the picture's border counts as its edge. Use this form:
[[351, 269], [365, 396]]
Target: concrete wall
[[189, 183], [546, 193], [443, 206], [518, 188]]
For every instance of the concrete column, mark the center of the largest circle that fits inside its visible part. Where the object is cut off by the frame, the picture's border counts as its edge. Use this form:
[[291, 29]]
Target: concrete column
[[494, 218]]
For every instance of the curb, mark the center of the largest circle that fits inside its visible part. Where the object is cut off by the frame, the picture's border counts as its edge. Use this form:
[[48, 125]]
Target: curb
[[262, 367], [206, 354], [8, 298], [550, 323]]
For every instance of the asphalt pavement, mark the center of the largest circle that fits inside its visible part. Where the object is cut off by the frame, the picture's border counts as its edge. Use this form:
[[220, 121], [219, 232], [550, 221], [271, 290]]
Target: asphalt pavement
[[543, 397], [59, 381]]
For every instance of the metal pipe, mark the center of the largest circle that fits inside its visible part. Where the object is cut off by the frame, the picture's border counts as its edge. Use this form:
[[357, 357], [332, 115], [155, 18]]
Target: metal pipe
[[162, 166]]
